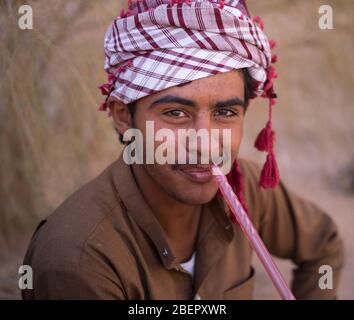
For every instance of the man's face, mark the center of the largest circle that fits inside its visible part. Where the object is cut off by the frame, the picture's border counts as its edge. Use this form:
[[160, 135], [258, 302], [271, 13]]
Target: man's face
[[215, 102]]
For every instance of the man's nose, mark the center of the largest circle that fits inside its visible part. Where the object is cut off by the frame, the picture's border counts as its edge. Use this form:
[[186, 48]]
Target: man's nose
[[203, 121], [203, 126]]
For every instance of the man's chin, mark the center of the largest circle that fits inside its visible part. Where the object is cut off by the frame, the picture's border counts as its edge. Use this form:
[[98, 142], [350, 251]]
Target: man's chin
[[195, 198]]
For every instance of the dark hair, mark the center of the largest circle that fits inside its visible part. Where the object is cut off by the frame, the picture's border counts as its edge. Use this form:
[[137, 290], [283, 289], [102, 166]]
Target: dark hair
[[248, 82], [249, 85], [131, 107]]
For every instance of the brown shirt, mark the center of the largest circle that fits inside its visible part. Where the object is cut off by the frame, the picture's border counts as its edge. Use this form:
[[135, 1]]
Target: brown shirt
[[104, 242]]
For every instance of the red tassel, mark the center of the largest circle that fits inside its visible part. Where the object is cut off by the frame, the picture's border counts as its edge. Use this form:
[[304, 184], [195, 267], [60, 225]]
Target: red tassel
[[104, 88], [111, 78], [270, 172], [265, 138], [272, 44], [103, 106], [271, 73], [267, 87], [129, 13], [259, 21], [235, 179], [122, 14]]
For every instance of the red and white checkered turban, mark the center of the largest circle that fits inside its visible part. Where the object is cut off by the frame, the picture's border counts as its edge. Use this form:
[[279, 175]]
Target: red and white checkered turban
[[158, 44]]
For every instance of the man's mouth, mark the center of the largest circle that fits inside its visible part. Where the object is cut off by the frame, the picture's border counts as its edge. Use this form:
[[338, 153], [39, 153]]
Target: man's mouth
[[196, 173]]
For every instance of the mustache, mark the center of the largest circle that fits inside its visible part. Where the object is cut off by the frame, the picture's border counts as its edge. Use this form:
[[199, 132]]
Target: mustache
[[201, 167]]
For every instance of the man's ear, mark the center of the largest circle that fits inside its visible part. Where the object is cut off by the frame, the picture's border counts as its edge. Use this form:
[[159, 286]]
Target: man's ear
[[121, 115]]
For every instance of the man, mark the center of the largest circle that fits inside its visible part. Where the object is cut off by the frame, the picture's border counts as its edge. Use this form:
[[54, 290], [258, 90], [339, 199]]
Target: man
[[162, 231]]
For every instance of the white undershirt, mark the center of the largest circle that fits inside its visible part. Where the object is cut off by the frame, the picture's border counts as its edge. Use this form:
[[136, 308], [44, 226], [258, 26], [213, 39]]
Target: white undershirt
[[189, 265]]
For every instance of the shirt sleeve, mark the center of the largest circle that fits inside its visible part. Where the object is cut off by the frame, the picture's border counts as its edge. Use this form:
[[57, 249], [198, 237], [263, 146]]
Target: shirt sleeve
[[294, 228], [58, 273]]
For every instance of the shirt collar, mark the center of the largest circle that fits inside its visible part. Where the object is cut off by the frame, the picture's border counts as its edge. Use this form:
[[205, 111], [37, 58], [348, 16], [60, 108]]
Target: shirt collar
[[215, 214]]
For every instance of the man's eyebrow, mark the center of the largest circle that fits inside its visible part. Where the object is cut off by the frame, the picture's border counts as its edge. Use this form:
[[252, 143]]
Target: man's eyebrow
[[236, 101], [174, 99]]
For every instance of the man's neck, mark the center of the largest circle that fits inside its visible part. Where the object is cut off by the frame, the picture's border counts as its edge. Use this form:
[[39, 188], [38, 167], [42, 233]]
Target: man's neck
[[175, 217]]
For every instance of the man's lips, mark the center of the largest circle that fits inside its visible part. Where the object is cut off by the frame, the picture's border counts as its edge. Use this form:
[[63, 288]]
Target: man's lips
[[197, 173]]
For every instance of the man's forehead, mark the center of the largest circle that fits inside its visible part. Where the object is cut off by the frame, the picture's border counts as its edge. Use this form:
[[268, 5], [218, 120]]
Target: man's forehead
[[216, 88]]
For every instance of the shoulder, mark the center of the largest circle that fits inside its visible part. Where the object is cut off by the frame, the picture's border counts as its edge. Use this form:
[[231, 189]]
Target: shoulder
[[249, 168], [62, 238], [251, 172], [257, 198]]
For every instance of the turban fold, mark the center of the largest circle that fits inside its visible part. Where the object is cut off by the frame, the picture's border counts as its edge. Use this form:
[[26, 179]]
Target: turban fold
[[158, 44], [163, 44]]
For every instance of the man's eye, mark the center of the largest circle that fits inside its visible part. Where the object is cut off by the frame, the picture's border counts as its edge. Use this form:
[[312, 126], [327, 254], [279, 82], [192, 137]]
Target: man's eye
[[226, 113], [176, 113]]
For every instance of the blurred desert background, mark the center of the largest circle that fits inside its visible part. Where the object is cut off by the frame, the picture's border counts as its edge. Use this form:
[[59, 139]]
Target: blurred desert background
[[53, 139]]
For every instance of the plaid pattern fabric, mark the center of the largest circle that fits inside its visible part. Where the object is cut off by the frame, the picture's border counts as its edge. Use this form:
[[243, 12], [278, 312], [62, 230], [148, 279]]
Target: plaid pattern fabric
[[158, 44]]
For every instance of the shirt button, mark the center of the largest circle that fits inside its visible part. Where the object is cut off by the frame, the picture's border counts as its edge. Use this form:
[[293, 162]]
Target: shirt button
[[165, 252], [197, 297]]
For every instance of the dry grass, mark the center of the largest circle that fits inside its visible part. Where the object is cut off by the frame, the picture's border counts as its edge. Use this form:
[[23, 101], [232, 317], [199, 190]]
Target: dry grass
[[52, 139]]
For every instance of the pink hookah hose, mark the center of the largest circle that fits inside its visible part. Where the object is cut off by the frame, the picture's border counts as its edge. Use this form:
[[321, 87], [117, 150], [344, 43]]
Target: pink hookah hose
[[252, 235]]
